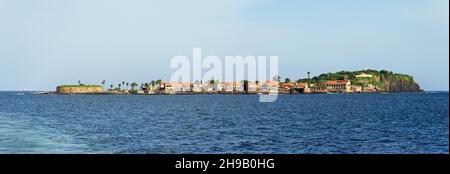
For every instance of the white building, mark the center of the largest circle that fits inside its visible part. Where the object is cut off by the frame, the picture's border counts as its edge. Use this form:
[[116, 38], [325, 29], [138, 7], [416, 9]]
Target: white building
[[364, 75]]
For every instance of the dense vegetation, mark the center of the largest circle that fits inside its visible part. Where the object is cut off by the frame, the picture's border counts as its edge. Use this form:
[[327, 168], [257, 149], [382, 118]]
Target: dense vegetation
[[383, 80]]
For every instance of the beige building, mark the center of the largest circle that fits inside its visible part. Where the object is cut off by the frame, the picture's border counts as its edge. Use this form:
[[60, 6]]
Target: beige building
[[269, 87], [253, 87], [197, 87], [335, 86]]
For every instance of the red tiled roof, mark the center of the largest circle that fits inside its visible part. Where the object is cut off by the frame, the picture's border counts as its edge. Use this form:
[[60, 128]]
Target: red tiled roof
[[336, 82], [302, 85]]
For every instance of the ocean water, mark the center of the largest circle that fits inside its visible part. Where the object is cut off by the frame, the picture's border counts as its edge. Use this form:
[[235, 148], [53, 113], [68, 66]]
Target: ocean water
[[294, 124]]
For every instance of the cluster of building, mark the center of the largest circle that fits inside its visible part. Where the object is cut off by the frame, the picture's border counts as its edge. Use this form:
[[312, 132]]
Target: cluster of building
[[239, 87], [332, 86], [209, 87]]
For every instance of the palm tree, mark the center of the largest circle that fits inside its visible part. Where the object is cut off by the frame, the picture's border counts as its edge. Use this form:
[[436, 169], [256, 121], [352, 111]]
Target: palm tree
[[133, 85], [257, 85], [128, 84], [103, 83], [79, 82], [112, 86], [309, 74], [159, 81], [153, 83], [120, 86], [245, 82]]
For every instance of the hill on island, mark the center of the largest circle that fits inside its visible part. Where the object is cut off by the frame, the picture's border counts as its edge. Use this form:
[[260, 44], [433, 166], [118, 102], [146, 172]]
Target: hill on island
[[386, 81]]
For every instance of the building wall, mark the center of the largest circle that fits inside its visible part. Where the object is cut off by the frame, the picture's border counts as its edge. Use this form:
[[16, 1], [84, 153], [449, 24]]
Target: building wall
[[78, 89]]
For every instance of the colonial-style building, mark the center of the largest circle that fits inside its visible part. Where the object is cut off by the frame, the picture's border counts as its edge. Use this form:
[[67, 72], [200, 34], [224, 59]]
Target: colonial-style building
[[269, 87], [253, 87], [233, 86], [335, 86], [177, 87], [198, 87]]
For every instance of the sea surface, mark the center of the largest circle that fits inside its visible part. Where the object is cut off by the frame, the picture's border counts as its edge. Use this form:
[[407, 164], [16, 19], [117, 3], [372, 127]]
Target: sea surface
[[295, 124]]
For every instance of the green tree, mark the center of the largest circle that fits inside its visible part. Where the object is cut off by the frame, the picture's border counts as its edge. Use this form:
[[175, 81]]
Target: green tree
[[133, 85], [159, 82], [287, 80]]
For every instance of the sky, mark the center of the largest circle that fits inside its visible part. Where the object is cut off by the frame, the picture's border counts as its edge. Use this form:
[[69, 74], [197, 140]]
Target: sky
[[50, 42]]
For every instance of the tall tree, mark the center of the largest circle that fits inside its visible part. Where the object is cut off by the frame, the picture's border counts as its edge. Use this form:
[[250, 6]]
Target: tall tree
[[287, 80], [133, 85], [158, 82]]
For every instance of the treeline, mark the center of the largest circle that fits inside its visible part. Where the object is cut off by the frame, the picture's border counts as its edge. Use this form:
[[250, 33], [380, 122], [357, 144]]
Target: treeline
[[351, 75]]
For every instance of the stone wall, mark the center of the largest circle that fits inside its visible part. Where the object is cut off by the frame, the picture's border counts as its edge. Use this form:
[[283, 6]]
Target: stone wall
[[78, 89]]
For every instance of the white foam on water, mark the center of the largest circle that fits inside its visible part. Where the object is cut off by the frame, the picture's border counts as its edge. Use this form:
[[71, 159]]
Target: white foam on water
[[18, 136]]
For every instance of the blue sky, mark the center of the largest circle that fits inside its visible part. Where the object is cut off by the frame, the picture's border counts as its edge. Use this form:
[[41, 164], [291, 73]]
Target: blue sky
[[49, 42]]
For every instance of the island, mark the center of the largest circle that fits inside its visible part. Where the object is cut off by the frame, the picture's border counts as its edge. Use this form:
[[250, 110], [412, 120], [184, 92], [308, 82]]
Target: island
[[362, 81]]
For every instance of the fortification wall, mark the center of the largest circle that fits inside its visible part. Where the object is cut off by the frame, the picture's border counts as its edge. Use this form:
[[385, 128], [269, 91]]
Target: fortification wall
[[78, 89]]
